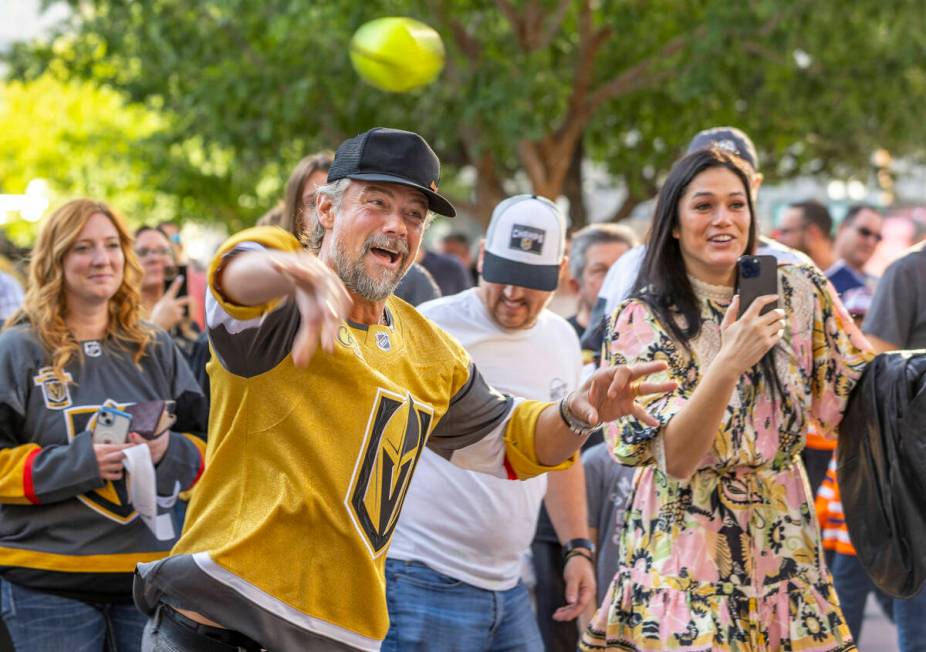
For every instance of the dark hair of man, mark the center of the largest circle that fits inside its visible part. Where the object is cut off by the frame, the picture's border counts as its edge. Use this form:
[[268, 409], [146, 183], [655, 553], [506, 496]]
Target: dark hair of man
[[457, 236], [663, 282], [593, 234], [292, 200], [854, 210], [816, 213]]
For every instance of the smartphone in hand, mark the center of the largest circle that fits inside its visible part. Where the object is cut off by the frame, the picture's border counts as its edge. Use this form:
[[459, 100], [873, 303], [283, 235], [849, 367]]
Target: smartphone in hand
[[112, 426], [174, 272], [756, 276]]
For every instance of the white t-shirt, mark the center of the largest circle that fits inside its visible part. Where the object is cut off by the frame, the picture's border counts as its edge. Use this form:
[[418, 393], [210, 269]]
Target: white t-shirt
[[468, 525]]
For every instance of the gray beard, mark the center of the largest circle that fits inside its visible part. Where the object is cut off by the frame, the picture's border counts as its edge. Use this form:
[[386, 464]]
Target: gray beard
[[354, 277]]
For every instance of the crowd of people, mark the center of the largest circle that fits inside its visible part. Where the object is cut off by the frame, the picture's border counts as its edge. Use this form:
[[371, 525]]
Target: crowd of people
[[373, 445]]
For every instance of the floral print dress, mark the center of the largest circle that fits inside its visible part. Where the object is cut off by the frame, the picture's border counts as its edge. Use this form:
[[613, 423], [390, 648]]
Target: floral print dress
[[731, 559]]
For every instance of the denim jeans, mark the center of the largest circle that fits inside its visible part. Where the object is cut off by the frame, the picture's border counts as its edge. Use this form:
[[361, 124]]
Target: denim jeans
[[42, 622], [431, 611], [853, 586]]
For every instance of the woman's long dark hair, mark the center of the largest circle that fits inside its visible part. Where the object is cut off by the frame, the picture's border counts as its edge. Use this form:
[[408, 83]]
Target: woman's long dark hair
[[663, 279]]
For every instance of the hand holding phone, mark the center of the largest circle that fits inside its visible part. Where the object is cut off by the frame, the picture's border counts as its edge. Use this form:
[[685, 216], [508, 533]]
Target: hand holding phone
[[756, 276], [112, 426]]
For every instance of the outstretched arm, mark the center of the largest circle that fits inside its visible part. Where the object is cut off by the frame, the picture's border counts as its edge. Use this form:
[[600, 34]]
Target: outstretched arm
[[608, 394], [253, 278]]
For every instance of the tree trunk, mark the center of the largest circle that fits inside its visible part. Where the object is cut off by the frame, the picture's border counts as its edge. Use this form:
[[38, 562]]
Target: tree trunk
[[572, 189]]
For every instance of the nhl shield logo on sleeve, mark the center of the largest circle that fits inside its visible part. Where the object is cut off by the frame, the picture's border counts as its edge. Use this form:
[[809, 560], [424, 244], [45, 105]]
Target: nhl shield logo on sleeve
[[55, 392]]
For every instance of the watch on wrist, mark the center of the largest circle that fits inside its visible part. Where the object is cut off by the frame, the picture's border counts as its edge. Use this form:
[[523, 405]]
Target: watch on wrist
[[574, 423], [578, 544]]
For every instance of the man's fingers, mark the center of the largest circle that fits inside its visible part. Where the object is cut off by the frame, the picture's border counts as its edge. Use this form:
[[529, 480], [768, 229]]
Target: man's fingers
[[647, 368], [656, 387], [584, 410], [643, 416]]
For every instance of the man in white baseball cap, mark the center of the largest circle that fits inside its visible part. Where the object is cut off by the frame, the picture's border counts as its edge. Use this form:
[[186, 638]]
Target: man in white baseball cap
[[454, 569]]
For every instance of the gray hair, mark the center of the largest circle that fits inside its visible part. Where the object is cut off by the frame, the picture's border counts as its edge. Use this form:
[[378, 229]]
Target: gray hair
[[313, 232], [592, 235]]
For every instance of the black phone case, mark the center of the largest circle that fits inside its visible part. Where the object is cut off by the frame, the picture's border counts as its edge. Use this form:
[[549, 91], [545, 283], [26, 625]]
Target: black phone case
[[756, 276], [180, 270]]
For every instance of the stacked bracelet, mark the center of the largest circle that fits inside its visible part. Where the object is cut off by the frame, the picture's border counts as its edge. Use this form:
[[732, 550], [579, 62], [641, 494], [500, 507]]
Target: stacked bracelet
[[576, 425]]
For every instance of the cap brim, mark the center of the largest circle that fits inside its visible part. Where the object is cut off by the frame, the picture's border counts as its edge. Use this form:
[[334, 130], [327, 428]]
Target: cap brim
[[496, 269], [436, 203]]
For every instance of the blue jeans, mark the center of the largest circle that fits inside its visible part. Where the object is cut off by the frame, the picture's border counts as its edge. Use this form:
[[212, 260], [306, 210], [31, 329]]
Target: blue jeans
[[853, 586], [431, 611], [42, 622]]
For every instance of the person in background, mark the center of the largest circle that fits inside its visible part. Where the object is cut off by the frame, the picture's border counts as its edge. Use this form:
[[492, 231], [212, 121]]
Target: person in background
[[69, 535], [457, 244], [160, 285], [720, 548], [594, 249], [448, 272], [895, 320], [417, 286], [454, 569], [308, 175], [808, 227], [608, 486], [195, 274], [856, 240], [11, 296]]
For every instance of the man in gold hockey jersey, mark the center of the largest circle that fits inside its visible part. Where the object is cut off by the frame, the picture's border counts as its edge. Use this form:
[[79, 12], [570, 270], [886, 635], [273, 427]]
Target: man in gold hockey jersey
[[311, 451]]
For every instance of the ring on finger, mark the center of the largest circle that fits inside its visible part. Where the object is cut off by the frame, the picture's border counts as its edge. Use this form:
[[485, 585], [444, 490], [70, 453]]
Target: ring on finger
[[635, 388]]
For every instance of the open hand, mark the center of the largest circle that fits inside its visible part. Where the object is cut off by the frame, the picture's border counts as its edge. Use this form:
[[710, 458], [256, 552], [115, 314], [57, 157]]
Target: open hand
[[322, 301], [611, 393]]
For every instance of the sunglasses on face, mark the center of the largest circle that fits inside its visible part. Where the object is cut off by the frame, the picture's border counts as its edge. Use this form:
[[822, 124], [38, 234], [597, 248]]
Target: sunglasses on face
[[143, 252], [865, 232]]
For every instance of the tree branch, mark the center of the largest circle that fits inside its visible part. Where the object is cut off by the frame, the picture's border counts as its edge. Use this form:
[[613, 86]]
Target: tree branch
[[553, 25]]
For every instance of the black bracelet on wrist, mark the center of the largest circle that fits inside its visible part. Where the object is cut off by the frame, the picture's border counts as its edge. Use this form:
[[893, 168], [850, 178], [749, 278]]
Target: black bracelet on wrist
[[579, 552], [576, 545]]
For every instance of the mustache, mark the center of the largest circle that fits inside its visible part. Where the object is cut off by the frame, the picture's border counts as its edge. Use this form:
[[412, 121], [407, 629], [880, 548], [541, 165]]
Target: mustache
[[385, 242]]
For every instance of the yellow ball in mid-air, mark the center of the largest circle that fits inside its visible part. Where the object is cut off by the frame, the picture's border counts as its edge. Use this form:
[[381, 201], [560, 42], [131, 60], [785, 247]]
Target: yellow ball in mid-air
[[397, 54]]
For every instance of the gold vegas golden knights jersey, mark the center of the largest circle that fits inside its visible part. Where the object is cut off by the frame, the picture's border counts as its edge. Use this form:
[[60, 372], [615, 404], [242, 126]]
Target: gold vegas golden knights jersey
[[306, 469]]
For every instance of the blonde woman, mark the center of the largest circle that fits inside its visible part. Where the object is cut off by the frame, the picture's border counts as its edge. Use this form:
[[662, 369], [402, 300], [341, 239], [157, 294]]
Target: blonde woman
[[69, 536]]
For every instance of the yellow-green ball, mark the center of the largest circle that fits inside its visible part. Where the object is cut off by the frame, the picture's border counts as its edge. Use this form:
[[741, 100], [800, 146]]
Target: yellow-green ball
[[397, 54]]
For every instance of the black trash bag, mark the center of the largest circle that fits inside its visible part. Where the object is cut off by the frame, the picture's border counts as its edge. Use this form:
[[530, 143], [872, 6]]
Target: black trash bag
[[881, 470]]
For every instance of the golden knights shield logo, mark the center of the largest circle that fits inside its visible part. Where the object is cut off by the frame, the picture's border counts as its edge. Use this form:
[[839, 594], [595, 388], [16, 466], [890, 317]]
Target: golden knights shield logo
[[55, 392], [112, 499], [396, 432]]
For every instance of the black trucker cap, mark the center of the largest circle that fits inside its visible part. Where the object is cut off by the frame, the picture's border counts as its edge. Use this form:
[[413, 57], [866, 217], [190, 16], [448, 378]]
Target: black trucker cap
[[392, 156]]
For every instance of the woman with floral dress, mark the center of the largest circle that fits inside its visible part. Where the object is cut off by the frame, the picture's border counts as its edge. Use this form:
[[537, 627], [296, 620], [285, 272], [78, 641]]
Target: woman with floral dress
[[720, 549]]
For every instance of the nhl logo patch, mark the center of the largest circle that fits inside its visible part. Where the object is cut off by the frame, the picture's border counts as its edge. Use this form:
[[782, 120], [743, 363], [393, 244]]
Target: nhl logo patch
[[527, 239], [92, 349], [55, 392], [383, 341]]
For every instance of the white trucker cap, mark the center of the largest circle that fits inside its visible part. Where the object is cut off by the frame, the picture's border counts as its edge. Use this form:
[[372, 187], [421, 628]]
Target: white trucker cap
[[525, 244]]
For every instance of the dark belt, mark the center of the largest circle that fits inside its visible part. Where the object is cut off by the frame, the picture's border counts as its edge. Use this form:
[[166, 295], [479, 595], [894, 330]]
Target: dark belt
[[194, 636]]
